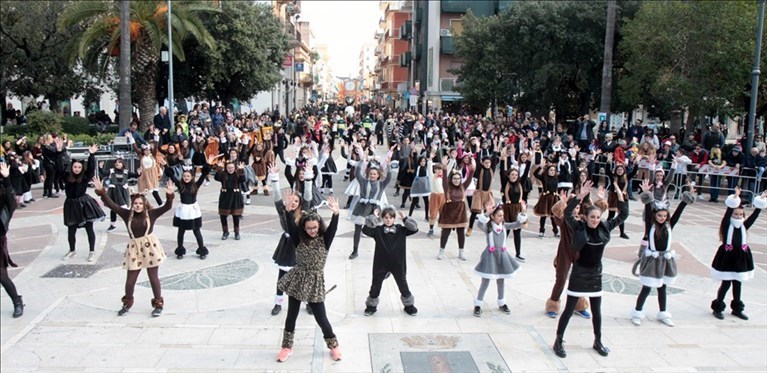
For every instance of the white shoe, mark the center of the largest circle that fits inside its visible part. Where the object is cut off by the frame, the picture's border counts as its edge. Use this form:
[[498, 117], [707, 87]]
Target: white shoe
[[247, 201], [91, 256], [460, 255], [700, 197], [207, 183], [665, 318], [69, 255], [441, 254], [636, 317]]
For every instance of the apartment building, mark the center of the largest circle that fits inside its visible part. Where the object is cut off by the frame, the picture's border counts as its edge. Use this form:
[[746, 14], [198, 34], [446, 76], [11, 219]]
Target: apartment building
[[393, 51], [435, 26]]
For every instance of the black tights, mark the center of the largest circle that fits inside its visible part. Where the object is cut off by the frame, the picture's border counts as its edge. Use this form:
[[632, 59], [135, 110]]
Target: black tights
[[72, 236], [357, 235], [611, 215], [517, 240], [646, 292], [294, 306], [596, 315], [7, 283], [405, 196], [235, 221], [279, 276], [197, 235], [554, 227], [425, 206], [154, 280], [445, 234], [472, 219], [725, 287]]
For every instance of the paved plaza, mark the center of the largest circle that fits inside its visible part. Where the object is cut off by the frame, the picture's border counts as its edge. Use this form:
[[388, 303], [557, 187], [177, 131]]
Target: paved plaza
[[217, 311]]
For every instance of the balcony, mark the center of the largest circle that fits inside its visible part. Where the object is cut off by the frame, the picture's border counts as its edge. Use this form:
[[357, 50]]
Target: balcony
[[480, 8], [447, 45]]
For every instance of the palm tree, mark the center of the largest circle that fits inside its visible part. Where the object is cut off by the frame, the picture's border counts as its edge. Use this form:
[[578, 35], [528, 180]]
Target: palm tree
[[99, 43]]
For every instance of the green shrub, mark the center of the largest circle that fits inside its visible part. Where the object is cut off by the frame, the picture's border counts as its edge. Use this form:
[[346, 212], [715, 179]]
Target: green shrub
[[43, 122], [101, 138], [77, 126]]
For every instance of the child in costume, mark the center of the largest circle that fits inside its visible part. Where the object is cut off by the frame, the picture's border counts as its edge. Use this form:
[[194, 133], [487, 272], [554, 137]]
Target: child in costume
[[285, 254], [453, 213], [306, 281], [188, 215], [733, 263], [80, 209], [657, 263], [144, 249], [548, 197], [389, 257], [7, 207], [496, 263], [116, 180], [230, 201]]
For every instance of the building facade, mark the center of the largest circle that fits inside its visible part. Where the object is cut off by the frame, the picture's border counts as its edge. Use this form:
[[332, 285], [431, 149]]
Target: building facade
[[435, 26], [393, 51]]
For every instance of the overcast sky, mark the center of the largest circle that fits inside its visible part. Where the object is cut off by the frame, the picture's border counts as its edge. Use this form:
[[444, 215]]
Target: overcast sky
[[345, 26]]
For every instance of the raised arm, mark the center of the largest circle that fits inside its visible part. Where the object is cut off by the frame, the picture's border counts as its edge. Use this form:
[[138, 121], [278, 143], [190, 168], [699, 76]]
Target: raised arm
[[386, 179], [330, 232], [760, 203], [158, 211]]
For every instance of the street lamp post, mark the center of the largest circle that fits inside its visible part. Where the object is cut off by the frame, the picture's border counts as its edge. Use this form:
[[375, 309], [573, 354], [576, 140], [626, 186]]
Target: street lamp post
[[755, 78], [170, 71]]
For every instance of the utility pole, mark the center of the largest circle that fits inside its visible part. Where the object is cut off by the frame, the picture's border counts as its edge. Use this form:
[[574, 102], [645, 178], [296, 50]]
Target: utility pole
[[125, 108], [607, 64], [171, 102], [755, 78]]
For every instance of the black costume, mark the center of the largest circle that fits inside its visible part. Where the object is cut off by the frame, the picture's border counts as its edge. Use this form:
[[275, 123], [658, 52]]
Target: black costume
[[390, 257], [188, 215], [7, 207], [80, 209], [586, 274]]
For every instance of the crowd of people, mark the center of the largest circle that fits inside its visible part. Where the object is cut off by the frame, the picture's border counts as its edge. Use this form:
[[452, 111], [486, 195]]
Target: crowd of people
[[445, 164]]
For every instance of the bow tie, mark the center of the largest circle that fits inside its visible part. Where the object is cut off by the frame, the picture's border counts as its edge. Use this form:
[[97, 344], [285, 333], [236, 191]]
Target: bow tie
[[391, 229]]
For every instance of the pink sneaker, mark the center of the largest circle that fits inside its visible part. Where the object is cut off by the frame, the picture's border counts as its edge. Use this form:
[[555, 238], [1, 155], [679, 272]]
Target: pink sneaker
[[335, 353], [283, 355]]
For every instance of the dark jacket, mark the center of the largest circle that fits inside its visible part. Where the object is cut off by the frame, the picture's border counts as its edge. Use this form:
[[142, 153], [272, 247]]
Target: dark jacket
[[579, 227]]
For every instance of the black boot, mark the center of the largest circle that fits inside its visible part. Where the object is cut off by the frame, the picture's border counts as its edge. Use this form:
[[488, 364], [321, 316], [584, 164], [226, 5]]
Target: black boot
[[601, 349], [718, 307], [180, 252], [353, 254], [18, 307], [737, 309], [559, 347]]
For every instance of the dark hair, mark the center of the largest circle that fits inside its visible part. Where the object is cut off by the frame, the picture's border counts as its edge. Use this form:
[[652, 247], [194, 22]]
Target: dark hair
[[389, 211], [192, 185], [307, 217], [72, 178]]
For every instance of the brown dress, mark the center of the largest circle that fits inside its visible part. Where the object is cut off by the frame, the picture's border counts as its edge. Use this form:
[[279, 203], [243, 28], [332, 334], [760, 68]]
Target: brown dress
[[144, 249], [453, 213]]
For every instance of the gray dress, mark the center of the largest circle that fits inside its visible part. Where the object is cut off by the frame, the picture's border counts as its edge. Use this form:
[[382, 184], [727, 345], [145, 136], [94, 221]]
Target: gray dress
[[496, 262]]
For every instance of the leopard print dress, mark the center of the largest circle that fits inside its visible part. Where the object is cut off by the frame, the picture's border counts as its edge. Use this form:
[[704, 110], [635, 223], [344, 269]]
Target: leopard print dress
[[306, 281]]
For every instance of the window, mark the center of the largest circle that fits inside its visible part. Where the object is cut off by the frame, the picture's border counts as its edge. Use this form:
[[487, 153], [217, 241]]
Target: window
[[456, 27]]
